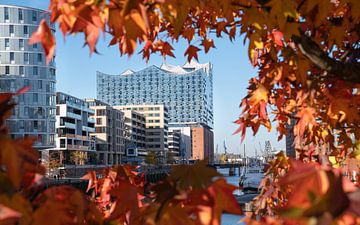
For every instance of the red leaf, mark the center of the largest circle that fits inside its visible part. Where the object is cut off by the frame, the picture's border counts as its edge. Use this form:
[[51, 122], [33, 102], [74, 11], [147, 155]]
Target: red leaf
[[91, 176], [191, 52], [208, 43], [44, 35], [23, 90]]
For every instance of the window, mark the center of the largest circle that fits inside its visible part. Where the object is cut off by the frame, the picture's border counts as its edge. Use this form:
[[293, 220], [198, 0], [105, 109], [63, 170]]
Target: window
[[35, 125], [11, 30], [52, 72], [7, 43], [35, 46], [35, 97], [26, 31], [12, 57], [6, 9], [34, 16], [26, 58], [7, 70], [21, 14], [21, 44], [40, 86], [39, 57], [21, 70], [35, 70], [98, 121]]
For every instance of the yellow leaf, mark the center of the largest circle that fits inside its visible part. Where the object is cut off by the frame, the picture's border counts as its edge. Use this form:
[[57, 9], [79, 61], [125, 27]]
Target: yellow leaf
[[260, 94]]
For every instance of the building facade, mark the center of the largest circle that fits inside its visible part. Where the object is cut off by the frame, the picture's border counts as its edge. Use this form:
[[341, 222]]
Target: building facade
[[185, 90], [74, 126], [156, 123], [185, 144], [202, 143], [174, 142], [23, 65], [109, 132], [135, 135]]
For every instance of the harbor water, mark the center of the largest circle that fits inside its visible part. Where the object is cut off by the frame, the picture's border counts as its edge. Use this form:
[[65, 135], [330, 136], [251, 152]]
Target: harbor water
[[229, 219]]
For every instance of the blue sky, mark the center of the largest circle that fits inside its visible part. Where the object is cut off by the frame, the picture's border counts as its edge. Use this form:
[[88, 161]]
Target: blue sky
[[76, 75]]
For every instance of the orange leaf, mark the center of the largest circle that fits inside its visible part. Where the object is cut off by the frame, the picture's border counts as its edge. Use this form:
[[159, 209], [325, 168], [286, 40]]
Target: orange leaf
[[44, 35], [306, 120], [278, 37], [260, 94]]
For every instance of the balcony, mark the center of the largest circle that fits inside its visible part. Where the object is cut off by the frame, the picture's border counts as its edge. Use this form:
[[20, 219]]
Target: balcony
[[88, 129], [77, 137], [78, 147], [70, 125], [73, 115]]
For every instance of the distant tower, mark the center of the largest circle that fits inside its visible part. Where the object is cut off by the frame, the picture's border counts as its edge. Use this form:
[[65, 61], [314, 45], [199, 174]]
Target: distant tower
[[268, 150], [225, 148]]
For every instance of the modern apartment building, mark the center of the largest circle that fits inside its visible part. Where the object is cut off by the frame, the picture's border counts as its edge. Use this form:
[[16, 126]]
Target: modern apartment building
[[185, 90], [185, 143], [74, 126], [156, 124], [135, 134], [109, 132], [174, 142], [23, 65]]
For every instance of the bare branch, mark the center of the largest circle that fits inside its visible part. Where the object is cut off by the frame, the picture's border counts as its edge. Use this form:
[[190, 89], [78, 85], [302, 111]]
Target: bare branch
[[341, 70]]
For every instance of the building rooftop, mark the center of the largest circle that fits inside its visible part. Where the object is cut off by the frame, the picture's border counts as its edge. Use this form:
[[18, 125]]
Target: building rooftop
[[23, 7], [187, 68]]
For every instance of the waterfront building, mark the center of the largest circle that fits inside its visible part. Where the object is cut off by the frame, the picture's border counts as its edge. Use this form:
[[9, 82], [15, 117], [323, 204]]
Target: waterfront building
[[23, 65], [109, 132], [185, 90], [156, 123], [174, 142], [185, 144], [135, 136], [74, 126], [202, 139]]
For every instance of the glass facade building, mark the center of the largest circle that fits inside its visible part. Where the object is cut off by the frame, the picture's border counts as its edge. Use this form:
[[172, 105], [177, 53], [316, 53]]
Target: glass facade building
[[23, 65], [187, 91]]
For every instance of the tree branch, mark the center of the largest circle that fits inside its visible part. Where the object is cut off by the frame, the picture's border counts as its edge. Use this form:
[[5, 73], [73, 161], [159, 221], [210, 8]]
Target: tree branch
[[345, 71]]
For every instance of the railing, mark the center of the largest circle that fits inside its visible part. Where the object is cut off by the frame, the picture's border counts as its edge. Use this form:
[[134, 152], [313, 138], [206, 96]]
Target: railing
[[73, 115], [78, 137], [78, 147]]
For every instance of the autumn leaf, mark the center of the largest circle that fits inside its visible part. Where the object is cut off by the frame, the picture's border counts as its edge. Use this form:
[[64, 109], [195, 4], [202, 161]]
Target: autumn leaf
[[208, 43], [126, 202], [7, 214], [44, 35], [306, 121], [196, 176], [259, 95], [191, 52], [278, 37], [225, 202], [91, 176]]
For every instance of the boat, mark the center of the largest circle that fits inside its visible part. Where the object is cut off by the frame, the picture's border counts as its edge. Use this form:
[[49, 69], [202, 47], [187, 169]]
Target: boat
[[250, 179]]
